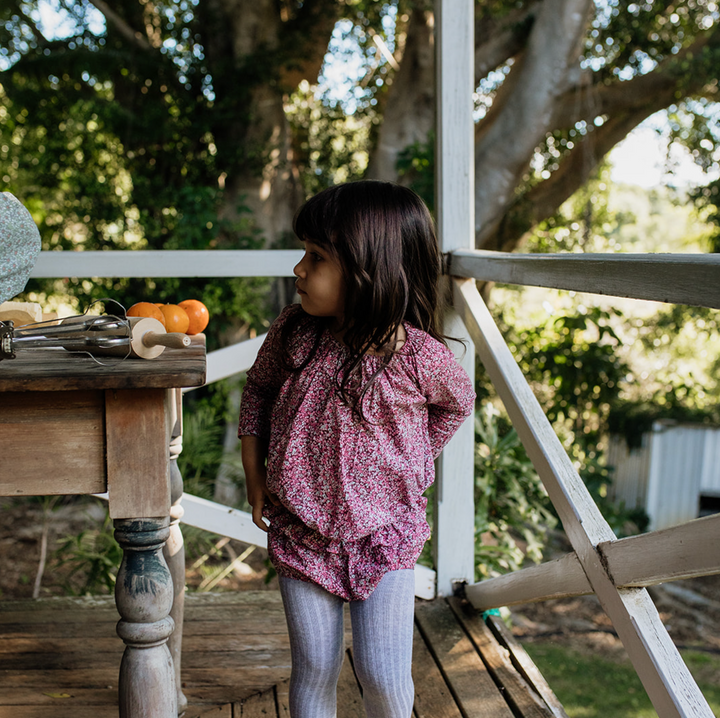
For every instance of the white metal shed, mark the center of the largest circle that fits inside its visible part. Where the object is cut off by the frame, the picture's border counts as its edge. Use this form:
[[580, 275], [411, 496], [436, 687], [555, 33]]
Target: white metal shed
[[674, 475]]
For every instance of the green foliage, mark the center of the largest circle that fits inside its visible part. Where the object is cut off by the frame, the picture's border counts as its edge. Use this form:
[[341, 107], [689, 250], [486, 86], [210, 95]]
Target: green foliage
[[115, 148], [234, 304], [684, 386], [707, 199], [206, 414], [94, 557], [332, 147], [510, 500], [575, 357], [199, 461], [585, 222], [416, 168], [574, 364]]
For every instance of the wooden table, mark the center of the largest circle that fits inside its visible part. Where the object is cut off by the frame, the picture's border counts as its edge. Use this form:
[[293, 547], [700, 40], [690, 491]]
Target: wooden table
[[71, 426]]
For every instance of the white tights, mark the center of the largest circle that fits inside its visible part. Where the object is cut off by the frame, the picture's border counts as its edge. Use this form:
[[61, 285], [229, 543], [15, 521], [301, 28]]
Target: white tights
[[382, 629]]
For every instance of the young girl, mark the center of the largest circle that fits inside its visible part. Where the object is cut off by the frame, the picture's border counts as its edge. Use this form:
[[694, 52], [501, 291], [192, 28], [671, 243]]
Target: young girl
[[352, 397]]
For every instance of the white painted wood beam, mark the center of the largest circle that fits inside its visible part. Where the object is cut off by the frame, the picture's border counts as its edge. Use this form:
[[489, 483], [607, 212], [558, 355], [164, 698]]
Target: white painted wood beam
[[676, 278], [666, 679], [454, 525], [561, 578], [686, 551], [231, 360], [221, 520], [168, 263]]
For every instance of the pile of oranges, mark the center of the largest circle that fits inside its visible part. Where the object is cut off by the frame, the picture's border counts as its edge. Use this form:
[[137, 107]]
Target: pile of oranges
[[187, 317]]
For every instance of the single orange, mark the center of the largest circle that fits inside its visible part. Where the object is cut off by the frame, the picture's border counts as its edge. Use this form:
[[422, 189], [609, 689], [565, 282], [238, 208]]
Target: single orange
[[198, 314], [146, 309], [176, 318]]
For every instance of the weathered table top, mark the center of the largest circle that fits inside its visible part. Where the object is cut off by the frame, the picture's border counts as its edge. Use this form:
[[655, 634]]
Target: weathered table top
[[59, 370]]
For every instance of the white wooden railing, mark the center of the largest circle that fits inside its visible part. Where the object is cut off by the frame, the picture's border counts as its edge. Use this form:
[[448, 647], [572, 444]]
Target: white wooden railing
[[617, 571]]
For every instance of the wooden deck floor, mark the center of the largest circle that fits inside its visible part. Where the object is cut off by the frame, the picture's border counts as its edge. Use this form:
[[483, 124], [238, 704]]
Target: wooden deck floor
[[60, 658]]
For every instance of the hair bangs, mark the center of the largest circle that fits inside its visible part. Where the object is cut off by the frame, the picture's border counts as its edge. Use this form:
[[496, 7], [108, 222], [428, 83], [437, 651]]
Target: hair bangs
[[383, 237]]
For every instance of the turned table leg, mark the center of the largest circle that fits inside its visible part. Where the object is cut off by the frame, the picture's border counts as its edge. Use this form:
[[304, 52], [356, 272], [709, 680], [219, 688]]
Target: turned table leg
[[174, 552], [144, 597]]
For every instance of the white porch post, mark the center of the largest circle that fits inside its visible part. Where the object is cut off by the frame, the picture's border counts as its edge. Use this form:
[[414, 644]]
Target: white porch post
[[454, 157]]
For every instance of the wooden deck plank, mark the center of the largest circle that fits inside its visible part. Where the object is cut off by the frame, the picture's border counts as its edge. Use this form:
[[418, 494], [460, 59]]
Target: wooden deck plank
[[432, 695], [468, 678], [518, 692], [102, 711], [84, 678], [235, 647], [107, 647], [261, 705], [207, 678], [56, 695], [282, 699], [526, 666], [231, 659], [59, 712], [223, 711]]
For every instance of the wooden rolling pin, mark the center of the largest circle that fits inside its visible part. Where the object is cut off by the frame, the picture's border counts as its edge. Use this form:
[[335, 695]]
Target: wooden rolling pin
[[149, 338]]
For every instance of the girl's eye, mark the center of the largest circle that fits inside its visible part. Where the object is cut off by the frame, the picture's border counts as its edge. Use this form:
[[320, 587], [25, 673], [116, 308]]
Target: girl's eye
[[316, 257]]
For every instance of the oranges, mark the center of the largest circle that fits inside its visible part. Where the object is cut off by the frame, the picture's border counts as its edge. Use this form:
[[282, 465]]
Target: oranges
[[146, 309], [188, 317], [176, 318], [197, 313]]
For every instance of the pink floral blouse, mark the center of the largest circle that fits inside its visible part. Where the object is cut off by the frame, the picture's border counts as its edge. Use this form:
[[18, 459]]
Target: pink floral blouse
[[351, 492]]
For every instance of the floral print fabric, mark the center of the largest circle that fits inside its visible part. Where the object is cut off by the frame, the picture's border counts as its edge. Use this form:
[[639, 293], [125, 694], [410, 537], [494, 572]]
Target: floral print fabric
[[351, 491]]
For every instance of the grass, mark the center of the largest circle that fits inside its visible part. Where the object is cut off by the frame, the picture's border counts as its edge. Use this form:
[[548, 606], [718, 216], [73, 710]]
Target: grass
[[592, 687]]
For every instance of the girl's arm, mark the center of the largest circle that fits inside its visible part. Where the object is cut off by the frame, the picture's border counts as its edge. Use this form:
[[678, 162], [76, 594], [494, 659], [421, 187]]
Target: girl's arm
[[254, 454], [450, 398]]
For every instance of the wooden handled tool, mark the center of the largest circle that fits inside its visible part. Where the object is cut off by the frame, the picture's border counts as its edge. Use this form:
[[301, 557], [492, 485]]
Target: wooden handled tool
[[149, 338]]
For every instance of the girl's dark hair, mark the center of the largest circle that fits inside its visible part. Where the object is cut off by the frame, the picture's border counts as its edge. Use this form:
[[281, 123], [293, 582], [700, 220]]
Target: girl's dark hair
[[384, 239]]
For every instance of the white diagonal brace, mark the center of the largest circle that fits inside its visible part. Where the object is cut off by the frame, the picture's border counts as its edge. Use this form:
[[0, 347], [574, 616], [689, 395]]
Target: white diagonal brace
[[662, 671]]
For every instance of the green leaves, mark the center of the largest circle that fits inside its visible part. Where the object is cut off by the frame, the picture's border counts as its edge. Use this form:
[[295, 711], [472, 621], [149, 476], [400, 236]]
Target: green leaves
[[511, 504], [94, 558]]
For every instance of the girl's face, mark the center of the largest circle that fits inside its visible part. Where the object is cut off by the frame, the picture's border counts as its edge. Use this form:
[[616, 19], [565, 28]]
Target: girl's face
[[320, 283]]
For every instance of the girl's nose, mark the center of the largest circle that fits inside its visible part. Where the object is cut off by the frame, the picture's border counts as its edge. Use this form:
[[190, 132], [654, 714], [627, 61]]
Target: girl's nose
[[298, 269]]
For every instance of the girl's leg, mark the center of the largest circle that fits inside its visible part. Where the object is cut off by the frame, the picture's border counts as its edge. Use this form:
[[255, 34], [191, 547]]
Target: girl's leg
[[315, 625], [382, 629]]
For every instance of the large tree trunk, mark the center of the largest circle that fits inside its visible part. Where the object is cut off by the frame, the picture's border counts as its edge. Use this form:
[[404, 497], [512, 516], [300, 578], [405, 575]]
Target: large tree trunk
[[409, 112], [542, 76], [252, 132]]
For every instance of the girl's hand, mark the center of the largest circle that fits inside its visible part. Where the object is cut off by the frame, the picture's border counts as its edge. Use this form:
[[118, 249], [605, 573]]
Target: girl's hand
[[254, 454], [258, 494]]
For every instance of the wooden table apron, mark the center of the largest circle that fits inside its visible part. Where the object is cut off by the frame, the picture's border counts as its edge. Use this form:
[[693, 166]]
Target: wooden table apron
[[71, 426]]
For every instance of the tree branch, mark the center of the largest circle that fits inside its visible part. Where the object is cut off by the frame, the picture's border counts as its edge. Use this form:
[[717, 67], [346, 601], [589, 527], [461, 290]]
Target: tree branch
[[132, 36], [626, 104], [409, 111], [496, 41], [308, 33], [586, 102], [526, 116], [543, 200]]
